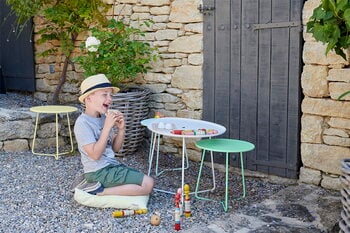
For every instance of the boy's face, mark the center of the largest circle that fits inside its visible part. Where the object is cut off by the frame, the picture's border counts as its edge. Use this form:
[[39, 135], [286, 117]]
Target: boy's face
[[99, 101]]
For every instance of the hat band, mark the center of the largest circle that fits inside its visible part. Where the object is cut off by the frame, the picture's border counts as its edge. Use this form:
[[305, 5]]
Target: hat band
[[101, 85]]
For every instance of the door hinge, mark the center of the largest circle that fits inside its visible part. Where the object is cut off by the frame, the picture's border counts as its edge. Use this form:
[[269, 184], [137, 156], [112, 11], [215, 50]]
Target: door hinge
[[276, 25], [205, 9]]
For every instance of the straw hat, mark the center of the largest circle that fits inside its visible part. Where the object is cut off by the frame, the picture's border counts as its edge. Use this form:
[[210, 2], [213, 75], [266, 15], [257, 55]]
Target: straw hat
[[94, 83]]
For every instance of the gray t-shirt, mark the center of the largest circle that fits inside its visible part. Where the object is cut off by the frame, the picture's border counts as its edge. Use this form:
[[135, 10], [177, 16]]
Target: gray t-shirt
[[87, 130]]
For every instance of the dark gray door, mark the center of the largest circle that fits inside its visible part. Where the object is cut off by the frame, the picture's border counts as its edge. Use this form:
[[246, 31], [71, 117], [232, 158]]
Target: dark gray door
[[16, 52], [252, 66]]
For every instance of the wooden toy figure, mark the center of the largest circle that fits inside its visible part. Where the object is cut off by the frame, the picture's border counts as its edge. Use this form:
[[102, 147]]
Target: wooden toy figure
[[158, 115], [155, 219], [123, 213], [187, 201], [177, 225]]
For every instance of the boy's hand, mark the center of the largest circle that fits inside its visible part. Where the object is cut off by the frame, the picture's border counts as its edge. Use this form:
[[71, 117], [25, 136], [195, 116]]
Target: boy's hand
[[110, 119], [119, 123], [118, 119]]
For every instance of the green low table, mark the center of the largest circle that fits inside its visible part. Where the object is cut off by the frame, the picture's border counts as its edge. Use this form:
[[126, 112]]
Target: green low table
[[227, 146]]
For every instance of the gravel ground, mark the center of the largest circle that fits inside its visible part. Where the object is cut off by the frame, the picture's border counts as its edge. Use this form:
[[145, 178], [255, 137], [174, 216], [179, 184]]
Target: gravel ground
[[35, 197], [35, 194]]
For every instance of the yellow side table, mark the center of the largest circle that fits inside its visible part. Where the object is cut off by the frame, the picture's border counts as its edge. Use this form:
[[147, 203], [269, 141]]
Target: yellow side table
[[53, 109]]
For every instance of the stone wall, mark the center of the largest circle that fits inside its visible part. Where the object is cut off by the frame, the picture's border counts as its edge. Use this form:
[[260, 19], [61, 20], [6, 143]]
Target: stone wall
[[17, 130], [176, 78], [325, 123]]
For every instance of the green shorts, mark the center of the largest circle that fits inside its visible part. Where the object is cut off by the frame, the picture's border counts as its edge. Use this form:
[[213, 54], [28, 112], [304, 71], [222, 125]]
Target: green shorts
[[115, 175]]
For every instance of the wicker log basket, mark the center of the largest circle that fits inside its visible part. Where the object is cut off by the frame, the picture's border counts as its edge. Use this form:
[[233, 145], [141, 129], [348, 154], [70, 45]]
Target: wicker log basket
[[133, 103]]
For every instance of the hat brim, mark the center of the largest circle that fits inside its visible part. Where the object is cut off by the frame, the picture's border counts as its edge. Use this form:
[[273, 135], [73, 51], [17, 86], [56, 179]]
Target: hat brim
[[82, 97]]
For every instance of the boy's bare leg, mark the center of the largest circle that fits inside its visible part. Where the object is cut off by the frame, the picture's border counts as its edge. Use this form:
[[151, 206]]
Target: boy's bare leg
[[131, 189]]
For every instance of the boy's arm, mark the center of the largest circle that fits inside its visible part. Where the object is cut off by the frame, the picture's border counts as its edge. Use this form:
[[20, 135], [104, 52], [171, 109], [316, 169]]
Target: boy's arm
[[118, 139], [95, 150]]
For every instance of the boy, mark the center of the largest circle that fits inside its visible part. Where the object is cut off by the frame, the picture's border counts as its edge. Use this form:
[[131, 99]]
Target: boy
[[97, 142]]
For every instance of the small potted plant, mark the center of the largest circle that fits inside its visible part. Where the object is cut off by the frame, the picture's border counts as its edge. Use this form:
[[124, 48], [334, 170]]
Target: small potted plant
[[116, 51]]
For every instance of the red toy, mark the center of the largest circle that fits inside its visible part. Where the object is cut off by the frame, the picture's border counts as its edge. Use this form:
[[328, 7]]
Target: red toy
[[177, 225]]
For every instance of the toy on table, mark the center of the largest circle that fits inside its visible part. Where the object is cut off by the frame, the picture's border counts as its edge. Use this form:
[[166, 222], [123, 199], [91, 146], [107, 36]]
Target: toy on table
[[124, 213], [158, 115], [177, 225], [194, 132], [187, 201]]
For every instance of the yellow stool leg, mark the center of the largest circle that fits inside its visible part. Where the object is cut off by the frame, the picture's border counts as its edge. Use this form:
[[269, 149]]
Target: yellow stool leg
[[56, 156], [70, 134], [35, 130]]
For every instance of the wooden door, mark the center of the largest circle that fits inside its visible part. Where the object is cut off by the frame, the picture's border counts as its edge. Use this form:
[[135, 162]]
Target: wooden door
[[252, 68], [16, 52]]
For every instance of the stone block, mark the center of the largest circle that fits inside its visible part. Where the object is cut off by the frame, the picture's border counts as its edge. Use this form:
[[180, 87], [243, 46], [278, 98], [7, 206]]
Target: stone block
[[160, 18], [174, 106], [172, 62], [339, 123], [308, 9], [315, 53], [336, 141], [16, 145], [331, 182], [194, 155], [339, 75], [164, 10], [310, 176], [311, 128], [155, 2], [16, 129], [185, 11], [336, 89], [194, 27], [140, 16], [156, 88], [187, 44], [314, 81], [195, 59], [141, 9], [187, 77], [323, 157], [167, 34], [326, 107], [164, 98], [193, 99], [158, 77], [45, 143], [174, 91], [194, 114], [336, 132], [11, 115]]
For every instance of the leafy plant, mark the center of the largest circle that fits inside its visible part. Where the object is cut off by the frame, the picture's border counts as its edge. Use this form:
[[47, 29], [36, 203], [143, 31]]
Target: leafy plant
[[65, 19], [115, 51], [330, 24]]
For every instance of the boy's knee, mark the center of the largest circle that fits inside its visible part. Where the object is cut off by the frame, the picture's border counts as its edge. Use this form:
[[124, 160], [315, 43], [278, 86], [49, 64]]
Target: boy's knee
[[148, 183]]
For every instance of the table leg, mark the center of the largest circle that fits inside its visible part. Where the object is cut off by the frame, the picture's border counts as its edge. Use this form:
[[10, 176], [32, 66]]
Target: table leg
[[35, 131], [225, 205], [243, 178], [56, 137], [70, 134], [183, 173], [151, 154]]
